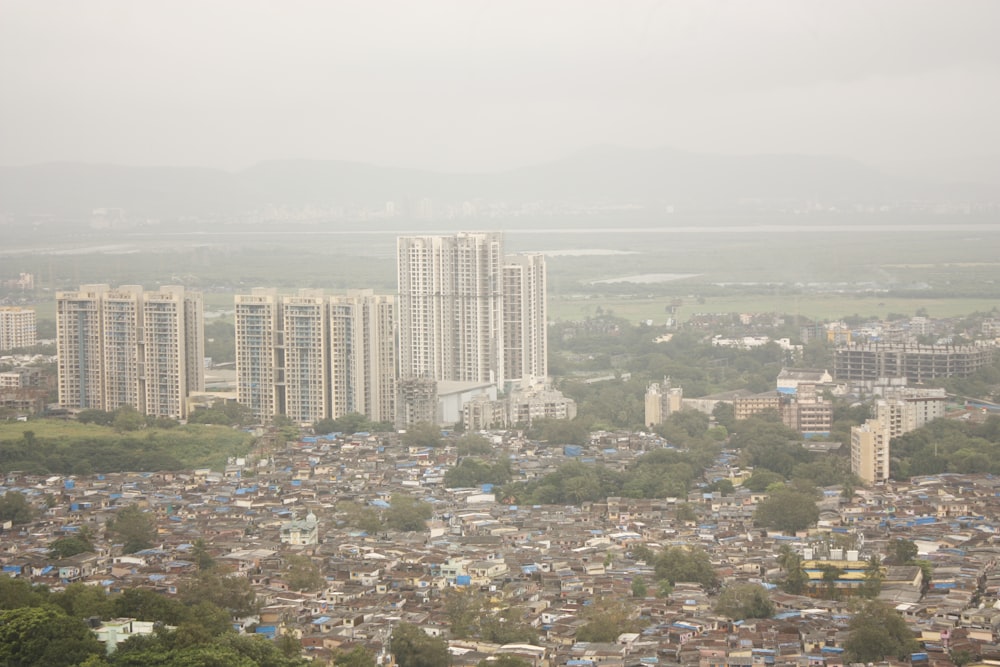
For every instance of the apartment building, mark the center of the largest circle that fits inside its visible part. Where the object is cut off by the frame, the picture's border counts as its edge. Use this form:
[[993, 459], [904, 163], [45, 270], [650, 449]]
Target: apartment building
[[257, 346], [17, 328], [908, 408], [661, 401], [310, 356], [363, 354], [127, 346], [805, 411], [451, 307], [468, 313], [525, 318]]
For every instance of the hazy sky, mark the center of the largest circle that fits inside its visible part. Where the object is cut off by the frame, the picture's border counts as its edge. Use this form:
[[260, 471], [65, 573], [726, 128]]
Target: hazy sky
[[473, 84]]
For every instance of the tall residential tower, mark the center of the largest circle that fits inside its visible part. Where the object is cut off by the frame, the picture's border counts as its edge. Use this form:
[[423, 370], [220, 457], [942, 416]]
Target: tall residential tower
[[467, 312], [311, 357]]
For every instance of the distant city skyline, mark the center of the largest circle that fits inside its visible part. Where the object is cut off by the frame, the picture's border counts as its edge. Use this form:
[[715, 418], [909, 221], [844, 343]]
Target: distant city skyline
[[463, 86]]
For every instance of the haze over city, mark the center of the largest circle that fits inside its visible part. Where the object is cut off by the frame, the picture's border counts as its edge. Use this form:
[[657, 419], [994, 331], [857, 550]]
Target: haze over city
[[473, 86]]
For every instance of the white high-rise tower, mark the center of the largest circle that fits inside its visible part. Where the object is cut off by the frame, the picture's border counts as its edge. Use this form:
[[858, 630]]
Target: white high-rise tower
[[451, 307]]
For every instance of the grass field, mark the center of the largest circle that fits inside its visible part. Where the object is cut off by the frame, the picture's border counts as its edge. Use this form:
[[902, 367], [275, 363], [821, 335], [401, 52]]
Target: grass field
[[194, 445]]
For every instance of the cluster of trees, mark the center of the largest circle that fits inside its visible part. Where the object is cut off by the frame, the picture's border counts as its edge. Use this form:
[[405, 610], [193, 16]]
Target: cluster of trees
[[766, 444], [743, 601], [93, 449], [470, 614], [229, 413], [125, 418], [787, 510], [353, 422], [614, 345], [14, 507], [656, 474], [404, 514], [473, 472], [947, 445], [41, 627]]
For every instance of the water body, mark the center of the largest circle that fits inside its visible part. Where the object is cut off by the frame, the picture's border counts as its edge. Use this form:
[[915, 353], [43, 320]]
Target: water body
[[646, 278]]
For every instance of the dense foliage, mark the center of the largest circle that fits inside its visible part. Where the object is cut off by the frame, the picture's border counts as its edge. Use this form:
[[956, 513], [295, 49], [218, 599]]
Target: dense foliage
[[68, 448], [412, 647], [742, 601], [656, 474], [41, 627], [878, 632], [947, 445], [404, 513], [787, 510]]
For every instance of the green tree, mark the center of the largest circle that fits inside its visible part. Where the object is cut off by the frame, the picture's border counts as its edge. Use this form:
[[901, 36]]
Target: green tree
[[831, 574], [82, 601], [787, 510], [352, 422], [407, 514], [639, 588], [902, 551], [762, 479], [676, 564], [202, 558], [506, 626], [463, 607], [412, 647], [302, 574], [358, 656], [796, 579], [44, 636], [146, 605], [232, 593], [473, 444], [135, 528], [14, 507], [877, 632], [359, 516], [642, 553], [423, 434], [742, 601], [65, 547], [872, 585], [17, 593], [607, 619], [99, 417], [127, 418]]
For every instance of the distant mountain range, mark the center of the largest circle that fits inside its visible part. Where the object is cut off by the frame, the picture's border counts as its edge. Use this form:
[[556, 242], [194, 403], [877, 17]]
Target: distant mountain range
[[597, 176]]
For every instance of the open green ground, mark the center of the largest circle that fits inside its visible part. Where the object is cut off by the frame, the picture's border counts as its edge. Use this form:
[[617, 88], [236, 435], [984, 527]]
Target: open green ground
[[54, 442]]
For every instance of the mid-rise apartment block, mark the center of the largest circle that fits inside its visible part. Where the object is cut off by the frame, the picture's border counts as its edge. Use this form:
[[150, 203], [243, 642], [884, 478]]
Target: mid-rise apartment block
[[870, 451], [126, 346], [805, 411], [310, 356], [909, 408], [900, 411], [661, 401], [17, 328]]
